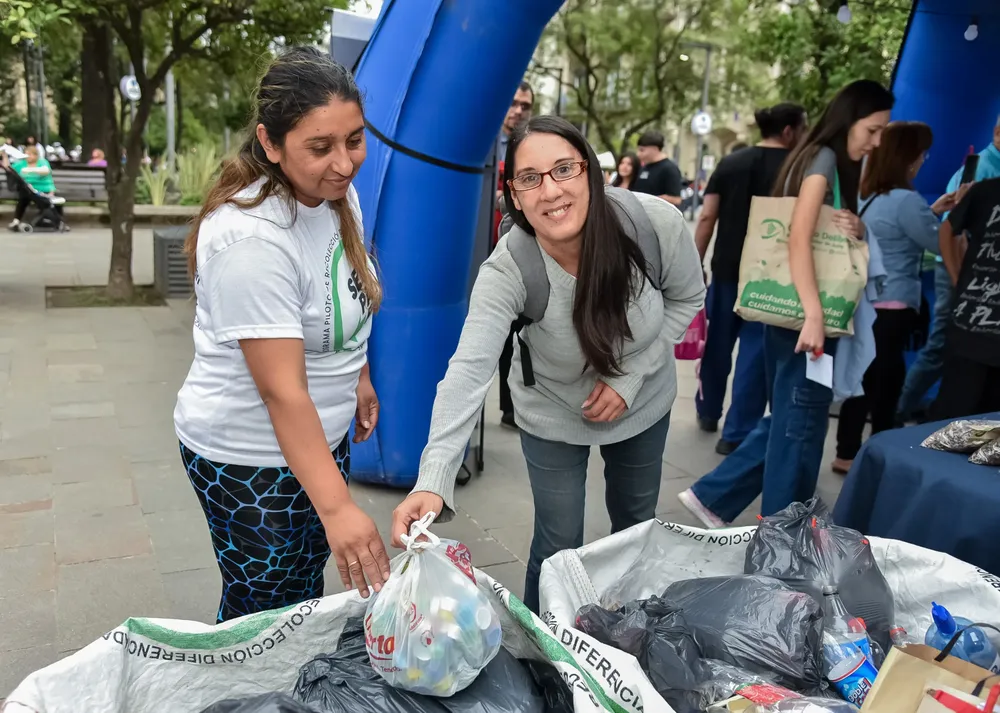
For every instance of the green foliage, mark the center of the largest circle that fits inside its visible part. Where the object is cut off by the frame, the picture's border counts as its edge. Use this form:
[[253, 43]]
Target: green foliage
[[195, 171], [24, 19], [814, 54], [154, 183]]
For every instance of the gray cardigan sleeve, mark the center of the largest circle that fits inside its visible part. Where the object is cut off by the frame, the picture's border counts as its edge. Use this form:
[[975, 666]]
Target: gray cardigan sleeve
[[497, 298]]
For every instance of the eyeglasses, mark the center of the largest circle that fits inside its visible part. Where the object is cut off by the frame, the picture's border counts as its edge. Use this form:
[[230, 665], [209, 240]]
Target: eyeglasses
[[560, 173]]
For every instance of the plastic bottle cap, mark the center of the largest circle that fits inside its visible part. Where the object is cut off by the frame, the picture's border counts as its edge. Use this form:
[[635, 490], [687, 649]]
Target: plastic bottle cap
[[943, 619]]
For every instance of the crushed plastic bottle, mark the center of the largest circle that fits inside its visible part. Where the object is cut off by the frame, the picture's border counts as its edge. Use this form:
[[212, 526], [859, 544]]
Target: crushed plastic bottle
[[973, 645]]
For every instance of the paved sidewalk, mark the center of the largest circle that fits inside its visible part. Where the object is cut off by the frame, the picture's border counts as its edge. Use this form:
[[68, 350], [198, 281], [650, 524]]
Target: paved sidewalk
[[97, 519]]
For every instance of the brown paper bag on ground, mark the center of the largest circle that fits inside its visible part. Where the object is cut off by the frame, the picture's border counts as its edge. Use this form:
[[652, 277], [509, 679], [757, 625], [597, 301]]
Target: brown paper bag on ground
[[766, 293], [908, 672], [929, 705]]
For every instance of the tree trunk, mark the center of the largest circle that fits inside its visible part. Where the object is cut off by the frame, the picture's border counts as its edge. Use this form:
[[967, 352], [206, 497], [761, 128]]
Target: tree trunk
[[179, 120], [92, 99], [121, 206]]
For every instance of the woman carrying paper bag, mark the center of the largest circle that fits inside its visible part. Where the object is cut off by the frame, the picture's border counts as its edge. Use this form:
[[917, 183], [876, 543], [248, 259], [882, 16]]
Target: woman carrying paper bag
[[781, 457]]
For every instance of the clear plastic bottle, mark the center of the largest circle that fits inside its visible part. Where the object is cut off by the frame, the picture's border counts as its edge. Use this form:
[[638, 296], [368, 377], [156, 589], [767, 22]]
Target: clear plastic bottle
[[900, 637], [973, 645], [846, 664]]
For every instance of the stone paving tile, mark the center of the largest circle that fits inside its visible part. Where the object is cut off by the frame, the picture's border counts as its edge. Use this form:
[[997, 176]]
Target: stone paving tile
[[113, 533], [16, 665], [101, 432], [32, 527], [193, 595], [70, 342], [27, 620], [25, 466], [75, 373], [94, 597], [82, 409], [84, 463], [31, 568], [164, 486], [181, 540], [93, 496], [23, 489]]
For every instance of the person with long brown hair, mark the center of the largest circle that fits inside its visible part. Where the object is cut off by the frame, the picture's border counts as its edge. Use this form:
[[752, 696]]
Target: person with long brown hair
[[596, 368], [781, 457], [285, 294], [904, 226]]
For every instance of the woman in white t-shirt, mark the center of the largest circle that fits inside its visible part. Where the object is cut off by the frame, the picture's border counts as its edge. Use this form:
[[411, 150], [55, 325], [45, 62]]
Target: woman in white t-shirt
[[285, 295]]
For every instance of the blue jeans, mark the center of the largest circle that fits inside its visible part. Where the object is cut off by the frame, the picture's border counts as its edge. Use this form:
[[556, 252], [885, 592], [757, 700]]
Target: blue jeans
[[782, 455], [926, 370], [749, 383], [558, 475]]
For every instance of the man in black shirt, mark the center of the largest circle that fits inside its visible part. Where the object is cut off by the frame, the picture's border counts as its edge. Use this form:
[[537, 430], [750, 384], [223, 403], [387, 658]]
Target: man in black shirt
[[739, 177], [659, 175], [970, 384]]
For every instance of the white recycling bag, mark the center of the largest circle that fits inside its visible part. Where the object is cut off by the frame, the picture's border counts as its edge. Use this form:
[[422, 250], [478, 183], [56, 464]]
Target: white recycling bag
[[644, 560], [154, 665]]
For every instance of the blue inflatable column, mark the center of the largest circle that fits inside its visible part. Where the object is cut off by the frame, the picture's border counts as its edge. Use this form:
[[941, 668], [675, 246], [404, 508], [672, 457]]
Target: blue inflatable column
[[438, 77], [941, 80]]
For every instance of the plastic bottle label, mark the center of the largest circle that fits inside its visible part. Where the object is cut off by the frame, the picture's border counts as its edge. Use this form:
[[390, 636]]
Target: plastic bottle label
[[855, 685]]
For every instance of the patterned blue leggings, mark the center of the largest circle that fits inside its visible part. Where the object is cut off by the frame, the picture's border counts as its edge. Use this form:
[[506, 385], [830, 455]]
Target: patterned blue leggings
[[268, 539]]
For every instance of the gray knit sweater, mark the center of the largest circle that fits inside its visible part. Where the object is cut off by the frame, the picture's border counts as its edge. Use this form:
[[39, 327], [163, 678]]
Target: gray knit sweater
[[553, 408]]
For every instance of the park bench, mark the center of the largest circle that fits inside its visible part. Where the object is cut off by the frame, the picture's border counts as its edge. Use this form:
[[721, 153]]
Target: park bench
[[74, 182]]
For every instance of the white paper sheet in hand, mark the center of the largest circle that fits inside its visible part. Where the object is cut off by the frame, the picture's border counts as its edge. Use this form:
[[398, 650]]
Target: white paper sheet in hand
[[820, 370]]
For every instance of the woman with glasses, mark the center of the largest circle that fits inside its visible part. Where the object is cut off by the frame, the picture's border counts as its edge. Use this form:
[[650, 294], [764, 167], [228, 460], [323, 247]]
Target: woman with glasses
[[602, 354]]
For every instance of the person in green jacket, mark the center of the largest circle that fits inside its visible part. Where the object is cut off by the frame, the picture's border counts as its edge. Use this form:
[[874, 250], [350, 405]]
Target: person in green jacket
[[37, 173]]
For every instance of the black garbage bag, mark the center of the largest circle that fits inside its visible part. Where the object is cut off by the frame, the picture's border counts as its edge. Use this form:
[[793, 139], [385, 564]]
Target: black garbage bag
[[345, 682], [757, 623], [802, 547], [268, 703], [658, 637]]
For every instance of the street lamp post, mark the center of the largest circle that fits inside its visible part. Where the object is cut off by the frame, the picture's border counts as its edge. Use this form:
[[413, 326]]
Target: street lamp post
[[557, 74], [704, 107]]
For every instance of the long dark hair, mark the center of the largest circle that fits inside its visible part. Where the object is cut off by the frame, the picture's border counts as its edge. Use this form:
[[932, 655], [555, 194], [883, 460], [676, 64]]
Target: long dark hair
[[636, 167], [854, 102], [607, 279], [888, 166], [295, 83]]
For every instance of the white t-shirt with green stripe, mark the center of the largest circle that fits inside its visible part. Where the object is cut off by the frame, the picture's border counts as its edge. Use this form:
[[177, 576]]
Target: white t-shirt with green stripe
[[264, 274]]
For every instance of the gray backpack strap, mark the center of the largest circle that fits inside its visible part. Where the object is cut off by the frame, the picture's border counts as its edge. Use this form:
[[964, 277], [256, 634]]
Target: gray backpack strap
[[528, 258], [639, 227]]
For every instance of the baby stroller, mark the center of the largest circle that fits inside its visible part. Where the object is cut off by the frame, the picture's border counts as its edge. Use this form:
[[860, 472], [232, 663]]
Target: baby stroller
[[48, 215]]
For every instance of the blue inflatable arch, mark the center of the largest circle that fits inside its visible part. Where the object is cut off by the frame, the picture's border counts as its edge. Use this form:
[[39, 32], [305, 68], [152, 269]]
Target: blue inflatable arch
[[949, 82], [439, 75]]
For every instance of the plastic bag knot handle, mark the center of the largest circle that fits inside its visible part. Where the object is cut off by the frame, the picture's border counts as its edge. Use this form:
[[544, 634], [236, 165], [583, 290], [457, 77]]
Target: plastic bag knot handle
[[418, 528]]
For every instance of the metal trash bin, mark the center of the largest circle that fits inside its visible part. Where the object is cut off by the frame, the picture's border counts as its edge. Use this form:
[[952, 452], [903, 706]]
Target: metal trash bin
[[170, 273]]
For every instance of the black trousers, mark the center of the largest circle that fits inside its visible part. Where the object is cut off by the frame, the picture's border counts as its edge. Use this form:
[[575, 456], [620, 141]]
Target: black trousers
[[968, 388], [883, 382], [506, 403]]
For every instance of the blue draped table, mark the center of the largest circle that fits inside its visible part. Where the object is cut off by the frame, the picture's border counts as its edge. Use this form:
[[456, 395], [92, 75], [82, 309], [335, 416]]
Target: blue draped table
[[900, 490]]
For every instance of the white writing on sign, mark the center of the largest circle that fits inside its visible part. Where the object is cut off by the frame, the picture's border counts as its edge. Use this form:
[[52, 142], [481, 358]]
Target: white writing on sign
[[977, 309]]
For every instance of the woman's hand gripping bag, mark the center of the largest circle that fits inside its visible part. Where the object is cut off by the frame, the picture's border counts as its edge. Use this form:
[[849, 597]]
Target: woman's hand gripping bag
[[430, 630]]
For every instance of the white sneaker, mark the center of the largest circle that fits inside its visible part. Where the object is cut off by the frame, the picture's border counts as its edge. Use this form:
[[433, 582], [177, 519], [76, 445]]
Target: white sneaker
[[13, 224], [708, 518]]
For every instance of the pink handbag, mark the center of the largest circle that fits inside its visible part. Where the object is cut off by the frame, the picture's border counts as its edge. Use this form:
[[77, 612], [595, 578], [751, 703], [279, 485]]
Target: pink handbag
[[693, 345]]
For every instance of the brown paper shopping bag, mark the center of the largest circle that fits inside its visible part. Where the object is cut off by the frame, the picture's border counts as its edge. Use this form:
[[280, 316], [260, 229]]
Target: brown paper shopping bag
[[766, 292], [908, 672]]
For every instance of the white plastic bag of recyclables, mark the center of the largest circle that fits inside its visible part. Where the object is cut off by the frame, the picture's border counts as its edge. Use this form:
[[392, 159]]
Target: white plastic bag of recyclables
[[167, 666], [644, 560]]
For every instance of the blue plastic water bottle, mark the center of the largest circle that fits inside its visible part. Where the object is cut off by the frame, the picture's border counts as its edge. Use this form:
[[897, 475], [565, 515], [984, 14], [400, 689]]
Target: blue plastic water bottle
[[847, 664], [973, 645]]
